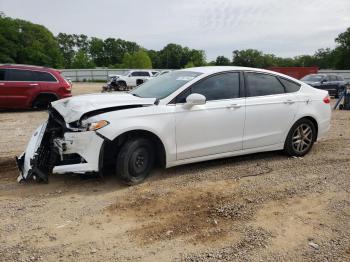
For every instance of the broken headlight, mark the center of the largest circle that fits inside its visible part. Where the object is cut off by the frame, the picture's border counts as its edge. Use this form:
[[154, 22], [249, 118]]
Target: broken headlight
[[97, 125], [92, 126]]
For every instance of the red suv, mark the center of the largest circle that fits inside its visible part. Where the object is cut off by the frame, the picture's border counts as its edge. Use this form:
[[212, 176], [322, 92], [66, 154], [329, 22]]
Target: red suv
[[23, 86]]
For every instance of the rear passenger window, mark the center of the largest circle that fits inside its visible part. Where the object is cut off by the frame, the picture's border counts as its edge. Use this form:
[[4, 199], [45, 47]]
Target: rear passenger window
[[140, 73], [340, 78], [20, 75], [144, 74], [263, 85], [333, 78], [2, 75], [290, 86], [45, 77]]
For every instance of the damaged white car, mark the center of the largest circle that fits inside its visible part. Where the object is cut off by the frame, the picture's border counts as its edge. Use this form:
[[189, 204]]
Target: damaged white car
[[181, 117]]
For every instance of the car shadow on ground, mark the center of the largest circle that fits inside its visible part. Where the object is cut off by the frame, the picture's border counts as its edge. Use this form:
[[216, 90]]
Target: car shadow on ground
[[15, 111], [95, 184]]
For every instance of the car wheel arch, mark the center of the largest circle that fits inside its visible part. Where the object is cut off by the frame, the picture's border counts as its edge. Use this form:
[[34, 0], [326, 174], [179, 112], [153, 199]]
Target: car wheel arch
[[312, 119], [42, 95], [110, 148]]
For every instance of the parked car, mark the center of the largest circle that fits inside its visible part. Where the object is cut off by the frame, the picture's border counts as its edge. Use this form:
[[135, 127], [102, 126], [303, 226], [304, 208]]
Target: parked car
[[334, 84], [23, 86], [181, 117], [133, 78]]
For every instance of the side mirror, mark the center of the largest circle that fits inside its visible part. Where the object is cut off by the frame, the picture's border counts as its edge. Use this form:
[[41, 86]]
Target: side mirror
[[195, 99], [324, 81]]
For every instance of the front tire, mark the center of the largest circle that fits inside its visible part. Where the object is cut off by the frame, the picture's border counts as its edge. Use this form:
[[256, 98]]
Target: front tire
[[301, 138], [135, 160], [122, 86]]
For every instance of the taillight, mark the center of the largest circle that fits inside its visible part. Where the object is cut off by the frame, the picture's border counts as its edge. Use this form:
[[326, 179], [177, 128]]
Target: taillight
[[327, 99]]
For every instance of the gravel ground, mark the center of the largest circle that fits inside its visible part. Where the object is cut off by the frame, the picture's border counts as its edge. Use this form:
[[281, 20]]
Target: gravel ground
[[261, 207]]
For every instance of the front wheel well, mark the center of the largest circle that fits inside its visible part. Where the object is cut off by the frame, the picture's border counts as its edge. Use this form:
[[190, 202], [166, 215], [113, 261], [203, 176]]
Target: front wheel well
[[110, 149]]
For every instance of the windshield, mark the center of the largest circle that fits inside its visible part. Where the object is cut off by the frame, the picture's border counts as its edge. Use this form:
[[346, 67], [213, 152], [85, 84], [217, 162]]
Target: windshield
[[313, 78], [164, 85]]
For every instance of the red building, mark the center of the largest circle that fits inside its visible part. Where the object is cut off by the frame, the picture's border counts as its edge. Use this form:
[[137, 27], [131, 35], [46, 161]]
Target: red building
[[296, 72]]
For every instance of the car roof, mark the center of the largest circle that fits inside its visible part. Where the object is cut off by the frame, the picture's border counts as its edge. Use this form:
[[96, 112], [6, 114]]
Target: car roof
[[28, 67], [217, 69]]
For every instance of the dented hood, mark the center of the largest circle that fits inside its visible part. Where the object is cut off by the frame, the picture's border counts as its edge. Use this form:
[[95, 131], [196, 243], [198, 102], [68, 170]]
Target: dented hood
[[73, 108]]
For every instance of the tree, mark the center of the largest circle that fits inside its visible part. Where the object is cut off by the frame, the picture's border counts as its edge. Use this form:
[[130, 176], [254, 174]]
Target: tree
[[155, 58], [171, 56], [81, 60], [197, 57], [97, 52], [222, 61], [248, 57], [342, 51], [27, 43], [66, 43], [139, 59], [189, 64]]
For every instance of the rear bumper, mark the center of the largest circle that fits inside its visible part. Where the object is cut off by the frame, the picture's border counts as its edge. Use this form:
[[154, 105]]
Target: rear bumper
[[323, 128]]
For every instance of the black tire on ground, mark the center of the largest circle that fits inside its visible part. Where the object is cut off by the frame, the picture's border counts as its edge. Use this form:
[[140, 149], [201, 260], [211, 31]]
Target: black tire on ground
[[122, 86], [43, 101], [301, 138], [135, 160], [139, 82]]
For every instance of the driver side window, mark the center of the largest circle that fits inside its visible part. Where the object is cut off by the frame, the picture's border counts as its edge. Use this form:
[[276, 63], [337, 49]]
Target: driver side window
[[217, 87]]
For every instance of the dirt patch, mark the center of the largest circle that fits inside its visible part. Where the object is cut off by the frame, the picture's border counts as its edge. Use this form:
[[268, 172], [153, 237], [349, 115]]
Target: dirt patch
[[261, 207]]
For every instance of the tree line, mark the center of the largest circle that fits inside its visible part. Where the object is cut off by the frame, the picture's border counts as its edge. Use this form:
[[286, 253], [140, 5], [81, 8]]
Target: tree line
[[26, 43]]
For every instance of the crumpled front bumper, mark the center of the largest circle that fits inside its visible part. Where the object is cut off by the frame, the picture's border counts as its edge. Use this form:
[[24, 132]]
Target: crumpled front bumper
[[72, 152], [25, 160]]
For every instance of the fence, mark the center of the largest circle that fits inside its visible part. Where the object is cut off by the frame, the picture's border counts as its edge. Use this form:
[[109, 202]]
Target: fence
[[80, 75], [102, 74]]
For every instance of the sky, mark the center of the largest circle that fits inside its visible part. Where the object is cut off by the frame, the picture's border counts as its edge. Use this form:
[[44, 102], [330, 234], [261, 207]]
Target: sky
[[282, 27]]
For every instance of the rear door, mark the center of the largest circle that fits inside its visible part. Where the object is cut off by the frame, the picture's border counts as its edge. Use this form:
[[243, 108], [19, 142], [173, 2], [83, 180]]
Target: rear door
[[19, 87], [270, 110]]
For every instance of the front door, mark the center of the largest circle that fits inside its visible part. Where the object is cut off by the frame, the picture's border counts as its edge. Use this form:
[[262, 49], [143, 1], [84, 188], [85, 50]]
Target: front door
[[215, 127]]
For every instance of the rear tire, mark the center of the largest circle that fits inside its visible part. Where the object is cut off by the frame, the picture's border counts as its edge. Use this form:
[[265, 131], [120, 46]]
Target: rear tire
[[135, 160], [301, 138]]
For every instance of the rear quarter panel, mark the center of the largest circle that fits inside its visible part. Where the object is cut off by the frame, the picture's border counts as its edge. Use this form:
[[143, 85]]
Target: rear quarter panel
[[312, 105]]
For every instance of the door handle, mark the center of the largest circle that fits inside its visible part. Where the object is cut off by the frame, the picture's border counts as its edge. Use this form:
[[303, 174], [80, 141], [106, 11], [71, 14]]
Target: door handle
[[234, 106], [289, 101], [33, 84]]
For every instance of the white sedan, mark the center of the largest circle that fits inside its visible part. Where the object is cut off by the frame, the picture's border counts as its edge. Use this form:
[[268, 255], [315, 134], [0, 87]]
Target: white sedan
[[181, 117]]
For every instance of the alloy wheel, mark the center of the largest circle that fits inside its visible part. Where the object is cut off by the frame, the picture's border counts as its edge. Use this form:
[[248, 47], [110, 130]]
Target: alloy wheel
[[302, 138]]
